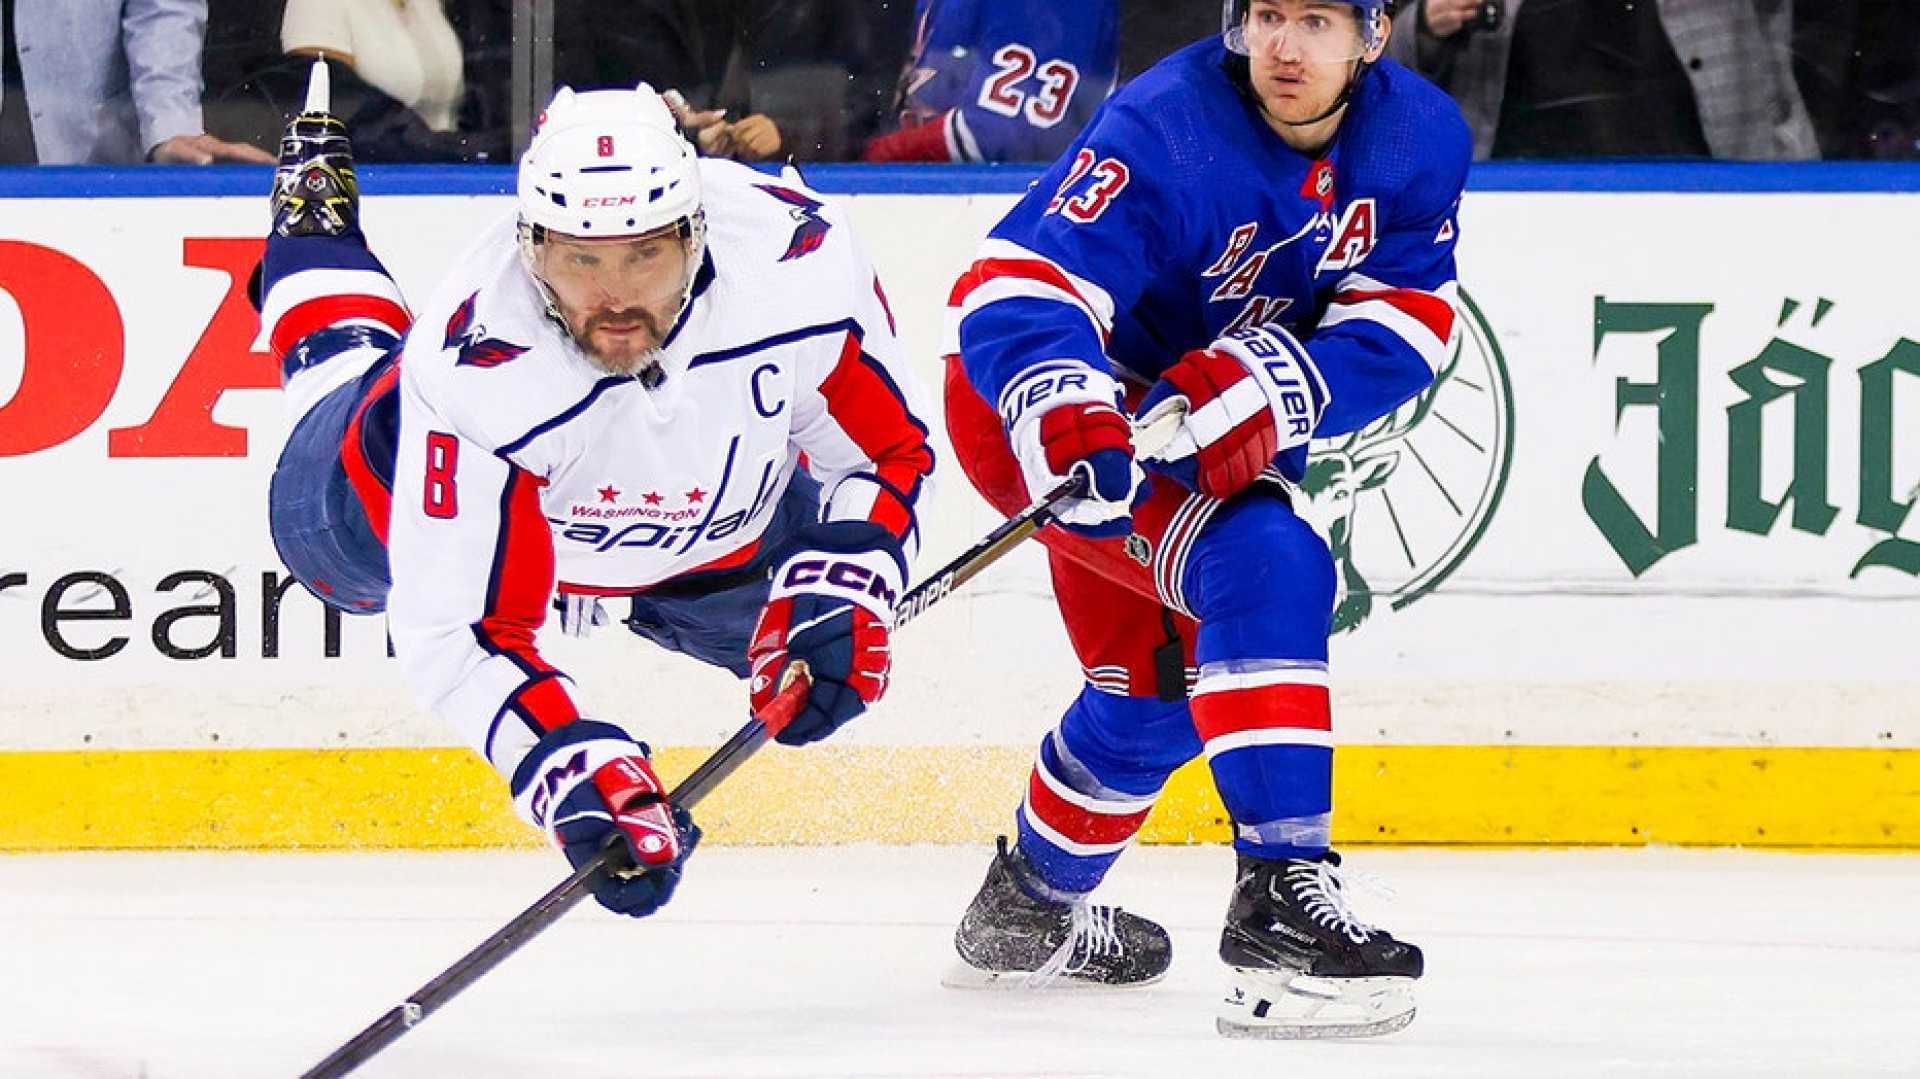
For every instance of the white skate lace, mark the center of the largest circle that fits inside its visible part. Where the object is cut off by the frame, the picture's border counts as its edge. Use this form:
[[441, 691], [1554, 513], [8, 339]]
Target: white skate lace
[[1090, 932], [1323, 894]]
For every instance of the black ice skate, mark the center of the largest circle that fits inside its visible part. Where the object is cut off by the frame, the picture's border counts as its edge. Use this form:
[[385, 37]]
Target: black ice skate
[[1009, 939], [315, 192], [1303, 965]]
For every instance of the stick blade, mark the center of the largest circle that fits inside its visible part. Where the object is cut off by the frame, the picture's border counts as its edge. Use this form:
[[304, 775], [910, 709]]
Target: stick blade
[[319, 88]]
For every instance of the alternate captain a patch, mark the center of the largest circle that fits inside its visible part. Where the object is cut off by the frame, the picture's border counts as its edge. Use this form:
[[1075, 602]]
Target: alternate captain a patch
[[811, 229]]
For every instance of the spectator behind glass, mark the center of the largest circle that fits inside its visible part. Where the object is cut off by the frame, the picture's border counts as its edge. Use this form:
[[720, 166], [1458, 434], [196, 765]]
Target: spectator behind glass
[[107, 82], [398, 80], [1002, 80], [1858, 66], [696, 47], [1150, 30], [825, 70], [406, 49], [1615, 78]]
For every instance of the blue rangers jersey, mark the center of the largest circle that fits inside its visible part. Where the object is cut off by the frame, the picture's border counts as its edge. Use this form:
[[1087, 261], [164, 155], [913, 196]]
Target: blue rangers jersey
[[1010, 81], [1179, 216]]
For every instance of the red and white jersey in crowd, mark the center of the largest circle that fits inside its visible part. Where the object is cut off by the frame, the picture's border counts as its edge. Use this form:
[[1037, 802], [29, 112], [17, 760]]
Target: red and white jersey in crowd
[[521, 466]]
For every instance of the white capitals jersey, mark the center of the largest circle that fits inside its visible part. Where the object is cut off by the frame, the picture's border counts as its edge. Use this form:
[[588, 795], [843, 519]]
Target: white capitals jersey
[[522, 467]]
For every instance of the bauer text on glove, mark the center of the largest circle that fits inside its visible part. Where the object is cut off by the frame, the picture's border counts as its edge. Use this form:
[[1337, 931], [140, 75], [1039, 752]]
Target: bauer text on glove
[[1250, 396], [1062, 421]]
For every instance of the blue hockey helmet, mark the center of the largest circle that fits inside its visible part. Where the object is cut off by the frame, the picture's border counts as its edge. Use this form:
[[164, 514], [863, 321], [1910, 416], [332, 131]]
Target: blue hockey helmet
[[1371, 13]]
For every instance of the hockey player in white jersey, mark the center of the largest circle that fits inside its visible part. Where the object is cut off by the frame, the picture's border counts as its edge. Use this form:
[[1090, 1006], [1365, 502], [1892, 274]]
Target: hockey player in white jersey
[[608, 397]]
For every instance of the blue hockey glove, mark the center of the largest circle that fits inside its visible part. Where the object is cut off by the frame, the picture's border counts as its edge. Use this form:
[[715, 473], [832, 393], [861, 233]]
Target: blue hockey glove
[[591, 785]]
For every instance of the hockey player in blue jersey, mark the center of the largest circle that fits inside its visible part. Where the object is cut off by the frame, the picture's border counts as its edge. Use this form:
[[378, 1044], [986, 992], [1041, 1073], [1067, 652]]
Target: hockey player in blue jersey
[[1258, 232], [1002, 80]]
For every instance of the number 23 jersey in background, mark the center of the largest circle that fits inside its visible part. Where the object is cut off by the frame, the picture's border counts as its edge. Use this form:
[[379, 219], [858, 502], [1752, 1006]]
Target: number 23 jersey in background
[[1010, 80]]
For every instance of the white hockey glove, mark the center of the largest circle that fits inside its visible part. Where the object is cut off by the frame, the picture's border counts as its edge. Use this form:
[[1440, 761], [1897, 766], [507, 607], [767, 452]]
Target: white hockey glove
[[1062, 419]]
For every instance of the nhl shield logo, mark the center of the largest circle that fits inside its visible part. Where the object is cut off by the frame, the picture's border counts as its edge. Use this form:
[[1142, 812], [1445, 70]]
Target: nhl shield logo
[[1139, 548], [1402, 501]]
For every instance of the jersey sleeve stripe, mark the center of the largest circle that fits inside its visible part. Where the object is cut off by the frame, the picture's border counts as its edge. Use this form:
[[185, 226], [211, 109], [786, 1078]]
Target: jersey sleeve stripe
[[286, 292], [319, 314], [1041, 275], [517, 592], [1095, 296], [871, 410], [961, 145], [1007, 271], [866, 496], [543, 703], [1431, 311], [1422, 320], [374, 496]]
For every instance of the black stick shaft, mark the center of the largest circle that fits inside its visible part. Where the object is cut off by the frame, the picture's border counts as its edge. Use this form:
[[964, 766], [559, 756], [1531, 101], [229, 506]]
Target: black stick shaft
[[535, 920]]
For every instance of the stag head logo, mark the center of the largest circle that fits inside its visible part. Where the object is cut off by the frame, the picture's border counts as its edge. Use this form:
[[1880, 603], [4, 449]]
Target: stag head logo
[[1403, 501]]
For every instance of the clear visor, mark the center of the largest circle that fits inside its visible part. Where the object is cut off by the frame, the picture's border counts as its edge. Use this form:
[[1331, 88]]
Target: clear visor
[[1331, 33], [654, 270], [622, 285], [639, 269]]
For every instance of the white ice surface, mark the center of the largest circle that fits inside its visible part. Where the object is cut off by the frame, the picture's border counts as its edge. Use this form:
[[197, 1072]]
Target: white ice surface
[[826, 962]]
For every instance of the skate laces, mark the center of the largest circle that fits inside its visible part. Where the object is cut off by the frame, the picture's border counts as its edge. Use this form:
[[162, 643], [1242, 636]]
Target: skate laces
[[1322, 892], [1091, 931]]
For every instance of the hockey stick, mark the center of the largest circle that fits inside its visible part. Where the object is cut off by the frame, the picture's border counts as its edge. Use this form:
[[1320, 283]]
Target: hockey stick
[[535, 920], [564, 897]]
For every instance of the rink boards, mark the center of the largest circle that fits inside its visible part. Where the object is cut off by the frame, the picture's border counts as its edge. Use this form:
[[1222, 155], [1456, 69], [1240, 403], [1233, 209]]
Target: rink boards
[[1641, 568]]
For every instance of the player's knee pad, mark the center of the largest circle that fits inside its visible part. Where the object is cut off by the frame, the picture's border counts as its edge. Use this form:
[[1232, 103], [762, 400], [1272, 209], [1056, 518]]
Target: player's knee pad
[[320, 525], [1261, 582]]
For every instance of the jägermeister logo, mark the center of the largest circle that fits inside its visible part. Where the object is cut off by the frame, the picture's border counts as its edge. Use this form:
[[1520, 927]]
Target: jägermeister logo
[[1813, 444], [1403, 501]]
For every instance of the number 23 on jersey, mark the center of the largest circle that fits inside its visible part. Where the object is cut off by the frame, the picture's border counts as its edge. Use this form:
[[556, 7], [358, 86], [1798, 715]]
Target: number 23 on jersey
[[1110, 176]]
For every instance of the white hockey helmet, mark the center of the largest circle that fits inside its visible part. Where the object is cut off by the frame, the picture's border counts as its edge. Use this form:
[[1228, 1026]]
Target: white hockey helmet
[[608, 163]]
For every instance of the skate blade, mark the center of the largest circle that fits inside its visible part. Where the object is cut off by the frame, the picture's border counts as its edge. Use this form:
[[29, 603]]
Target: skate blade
[[964, 975], [1306, 1032], [1277, 1005]]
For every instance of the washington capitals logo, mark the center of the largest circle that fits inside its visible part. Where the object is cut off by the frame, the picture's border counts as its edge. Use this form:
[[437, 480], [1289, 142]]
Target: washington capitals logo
[[476, 348], [811, 231]]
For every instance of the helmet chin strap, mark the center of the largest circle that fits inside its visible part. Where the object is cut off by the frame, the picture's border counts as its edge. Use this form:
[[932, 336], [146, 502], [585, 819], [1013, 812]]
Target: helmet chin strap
[[1360, 66]]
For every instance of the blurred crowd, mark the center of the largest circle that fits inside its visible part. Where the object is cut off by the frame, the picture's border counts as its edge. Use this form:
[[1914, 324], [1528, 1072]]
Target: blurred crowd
[[203, 81]]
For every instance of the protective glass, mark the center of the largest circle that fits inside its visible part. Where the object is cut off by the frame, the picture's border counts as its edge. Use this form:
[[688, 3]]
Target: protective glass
[[1329, 33]]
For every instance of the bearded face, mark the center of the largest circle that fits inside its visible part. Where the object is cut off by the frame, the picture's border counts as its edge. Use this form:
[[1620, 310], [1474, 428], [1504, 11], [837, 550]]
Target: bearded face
[[618, 297]]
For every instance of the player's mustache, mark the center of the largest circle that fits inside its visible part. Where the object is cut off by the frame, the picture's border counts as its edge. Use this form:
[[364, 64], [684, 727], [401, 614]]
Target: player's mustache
[[640, 315]]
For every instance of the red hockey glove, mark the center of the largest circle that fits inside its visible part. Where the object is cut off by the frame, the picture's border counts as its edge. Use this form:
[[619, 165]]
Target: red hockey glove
[[1061, 420], [1251, 396], [831, 608], [591, 785]]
